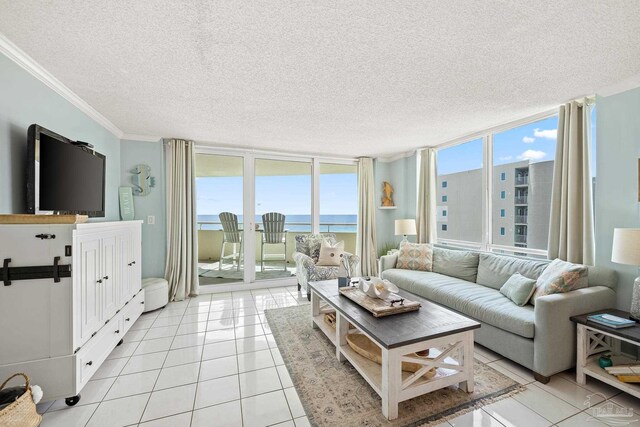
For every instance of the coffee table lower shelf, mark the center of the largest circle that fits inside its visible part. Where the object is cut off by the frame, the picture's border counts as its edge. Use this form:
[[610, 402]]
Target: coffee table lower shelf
[[452, 357]]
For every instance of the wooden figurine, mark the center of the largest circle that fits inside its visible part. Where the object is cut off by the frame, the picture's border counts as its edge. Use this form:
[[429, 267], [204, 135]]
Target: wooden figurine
[[387, 191]]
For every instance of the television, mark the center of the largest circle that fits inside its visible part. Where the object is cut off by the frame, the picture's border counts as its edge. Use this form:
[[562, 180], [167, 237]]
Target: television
[[63, 176]]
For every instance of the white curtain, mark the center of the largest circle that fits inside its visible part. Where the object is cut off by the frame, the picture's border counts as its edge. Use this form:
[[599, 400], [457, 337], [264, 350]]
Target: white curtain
[[426, 214], [571, 235], [366, 247], [181, 270]]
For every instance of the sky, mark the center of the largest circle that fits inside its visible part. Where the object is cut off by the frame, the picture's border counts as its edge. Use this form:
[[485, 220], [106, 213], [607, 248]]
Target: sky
[[535, 142], [288, 194]]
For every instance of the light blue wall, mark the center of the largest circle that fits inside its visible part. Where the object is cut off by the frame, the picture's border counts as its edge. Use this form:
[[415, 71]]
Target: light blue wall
[[402, 174], [618, 150], [25, 100], [154, 237]]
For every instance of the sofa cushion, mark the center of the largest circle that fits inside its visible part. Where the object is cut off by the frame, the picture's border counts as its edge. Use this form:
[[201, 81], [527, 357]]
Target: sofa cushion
[[495, 270], [460, 264], [415, 256], [480, 302], [330, 253], [518, 289], [559, 277]]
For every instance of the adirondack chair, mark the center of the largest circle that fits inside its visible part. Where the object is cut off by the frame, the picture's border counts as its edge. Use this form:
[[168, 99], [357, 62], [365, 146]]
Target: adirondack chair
[[232, 235], [273, 234]]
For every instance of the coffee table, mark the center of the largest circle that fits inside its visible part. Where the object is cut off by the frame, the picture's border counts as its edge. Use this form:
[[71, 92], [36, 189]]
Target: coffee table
[[448, 336]]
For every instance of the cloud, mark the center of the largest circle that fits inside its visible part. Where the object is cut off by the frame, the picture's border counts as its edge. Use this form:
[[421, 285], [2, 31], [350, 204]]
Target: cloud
[[505, 158], [532, 155], [546, 134], [528, 139]]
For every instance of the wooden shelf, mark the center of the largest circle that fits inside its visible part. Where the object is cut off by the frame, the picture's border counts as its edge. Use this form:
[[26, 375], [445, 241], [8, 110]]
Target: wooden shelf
[[325, 328], [594, 370], [387, 207]]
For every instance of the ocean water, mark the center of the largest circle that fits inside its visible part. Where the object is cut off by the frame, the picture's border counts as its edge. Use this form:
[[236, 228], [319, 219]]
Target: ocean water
[[328, 223]]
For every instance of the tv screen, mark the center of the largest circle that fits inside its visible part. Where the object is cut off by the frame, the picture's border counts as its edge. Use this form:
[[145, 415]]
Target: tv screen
[[64, 177]]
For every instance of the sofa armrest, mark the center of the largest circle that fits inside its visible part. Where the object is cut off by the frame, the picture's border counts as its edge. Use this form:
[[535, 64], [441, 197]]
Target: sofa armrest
[[388, 261], [555, 334]]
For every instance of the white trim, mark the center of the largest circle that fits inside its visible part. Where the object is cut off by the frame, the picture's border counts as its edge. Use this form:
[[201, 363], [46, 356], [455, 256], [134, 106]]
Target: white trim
[[395, 157], [18, 56], [229, 150], [629, 83], [499, 128], [145, 138]]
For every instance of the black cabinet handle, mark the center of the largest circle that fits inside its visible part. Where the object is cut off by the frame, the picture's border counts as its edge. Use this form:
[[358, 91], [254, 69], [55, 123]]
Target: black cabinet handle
[[89, 363], [142, 302], [117, 331], [99, 280], [106, 277], [129, 264], [128, 319]]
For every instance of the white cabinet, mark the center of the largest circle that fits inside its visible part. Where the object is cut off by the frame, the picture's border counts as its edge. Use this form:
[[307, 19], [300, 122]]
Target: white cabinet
[[60, 333]]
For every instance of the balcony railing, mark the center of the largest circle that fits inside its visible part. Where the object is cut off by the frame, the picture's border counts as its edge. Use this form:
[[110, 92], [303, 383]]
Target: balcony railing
[[294, 227], [522, 180], [521, 200], [520, 238], [521, 219]]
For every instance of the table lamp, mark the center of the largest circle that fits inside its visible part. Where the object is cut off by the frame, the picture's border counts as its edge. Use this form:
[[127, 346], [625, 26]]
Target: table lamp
[[626, 250], [405, 227]]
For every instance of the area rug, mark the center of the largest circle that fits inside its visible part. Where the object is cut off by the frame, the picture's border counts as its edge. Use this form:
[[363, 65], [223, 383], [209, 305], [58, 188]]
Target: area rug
[[334, 394]]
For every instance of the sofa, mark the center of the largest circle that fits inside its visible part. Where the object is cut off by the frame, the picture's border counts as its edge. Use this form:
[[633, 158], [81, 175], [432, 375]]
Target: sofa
[[306, 257], [540, 337]]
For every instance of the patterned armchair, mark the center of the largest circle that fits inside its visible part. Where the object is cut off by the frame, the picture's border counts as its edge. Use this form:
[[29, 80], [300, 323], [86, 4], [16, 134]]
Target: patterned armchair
[[306, 256]]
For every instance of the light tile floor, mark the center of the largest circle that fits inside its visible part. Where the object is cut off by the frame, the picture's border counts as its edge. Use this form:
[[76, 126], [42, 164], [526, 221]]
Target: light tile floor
[[212, 361]]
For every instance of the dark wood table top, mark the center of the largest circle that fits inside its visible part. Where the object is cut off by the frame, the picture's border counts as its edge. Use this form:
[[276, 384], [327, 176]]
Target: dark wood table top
[[631, 333], [429, 322]]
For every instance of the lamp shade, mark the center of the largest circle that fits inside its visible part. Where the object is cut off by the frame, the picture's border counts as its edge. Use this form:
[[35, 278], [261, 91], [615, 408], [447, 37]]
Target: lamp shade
[[405, 227], [626, 246]]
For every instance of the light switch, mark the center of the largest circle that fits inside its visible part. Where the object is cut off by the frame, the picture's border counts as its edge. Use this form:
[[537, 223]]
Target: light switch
[[151, 220]]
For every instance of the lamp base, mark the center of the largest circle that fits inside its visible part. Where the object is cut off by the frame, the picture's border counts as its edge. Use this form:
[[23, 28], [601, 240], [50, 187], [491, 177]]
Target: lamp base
[[635, 301]]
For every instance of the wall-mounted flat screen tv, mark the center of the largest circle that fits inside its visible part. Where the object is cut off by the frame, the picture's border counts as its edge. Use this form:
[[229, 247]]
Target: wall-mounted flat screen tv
[[63, 176]]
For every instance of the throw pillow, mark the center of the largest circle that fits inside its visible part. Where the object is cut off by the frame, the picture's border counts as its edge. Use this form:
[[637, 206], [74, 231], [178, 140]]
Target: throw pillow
[[330, 253], [518, 289], [315, 242], [560, 276], [415, 256]]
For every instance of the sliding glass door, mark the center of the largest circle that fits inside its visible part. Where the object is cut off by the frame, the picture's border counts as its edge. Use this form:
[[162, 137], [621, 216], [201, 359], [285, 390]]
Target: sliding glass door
[[250, 209]]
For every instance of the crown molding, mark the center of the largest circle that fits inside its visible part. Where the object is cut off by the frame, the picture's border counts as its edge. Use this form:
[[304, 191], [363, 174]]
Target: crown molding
[[621, 86], [395, 157], [18, 56], [144, 138]]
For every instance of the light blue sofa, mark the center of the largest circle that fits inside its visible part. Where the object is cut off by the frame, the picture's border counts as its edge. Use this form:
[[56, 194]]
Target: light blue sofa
[[540, 337]]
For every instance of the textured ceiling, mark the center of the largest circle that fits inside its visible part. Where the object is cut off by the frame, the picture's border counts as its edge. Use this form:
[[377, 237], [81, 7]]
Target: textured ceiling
[[331, 77]]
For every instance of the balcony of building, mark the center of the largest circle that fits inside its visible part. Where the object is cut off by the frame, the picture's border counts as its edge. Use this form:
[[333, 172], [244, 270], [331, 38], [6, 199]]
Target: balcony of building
[[520, 238], [521, 219], [522, 180], [521, 199]]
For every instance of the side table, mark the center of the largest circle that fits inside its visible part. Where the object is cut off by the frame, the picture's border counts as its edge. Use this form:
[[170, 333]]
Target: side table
[[595, 339]]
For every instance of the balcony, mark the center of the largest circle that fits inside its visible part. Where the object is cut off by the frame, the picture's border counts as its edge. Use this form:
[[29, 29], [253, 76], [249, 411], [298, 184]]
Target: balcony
[[522, 180], [521, 200], [521, 219], [520, 238]]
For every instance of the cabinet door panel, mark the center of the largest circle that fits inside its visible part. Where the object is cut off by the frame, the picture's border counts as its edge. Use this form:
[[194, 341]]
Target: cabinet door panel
[[90, 289], [125, 262], [110, 277]]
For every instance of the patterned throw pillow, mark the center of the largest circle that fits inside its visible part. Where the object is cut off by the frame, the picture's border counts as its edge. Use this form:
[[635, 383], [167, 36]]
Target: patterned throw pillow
[[559, 277], [330, 253], [415, 256]]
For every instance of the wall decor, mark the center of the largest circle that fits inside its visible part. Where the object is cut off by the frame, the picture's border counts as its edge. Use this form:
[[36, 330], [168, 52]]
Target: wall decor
[[127, 212], [143, 182], [387, 194]]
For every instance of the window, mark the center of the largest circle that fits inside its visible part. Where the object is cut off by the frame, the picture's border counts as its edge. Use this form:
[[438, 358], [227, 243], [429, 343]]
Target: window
[[444, 227], [503, 176], [503, 213], [444, 198], [526, 153], [461, 165], [502, 231], [339, 201], [503, 194]]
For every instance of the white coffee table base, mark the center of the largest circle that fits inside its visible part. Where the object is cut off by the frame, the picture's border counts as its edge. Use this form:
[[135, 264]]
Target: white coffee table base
[[452, 356]]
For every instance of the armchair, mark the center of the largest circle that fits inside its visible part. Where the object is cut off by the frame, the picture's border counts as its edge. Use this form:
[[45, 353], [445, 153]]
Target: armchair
[[306, 256]]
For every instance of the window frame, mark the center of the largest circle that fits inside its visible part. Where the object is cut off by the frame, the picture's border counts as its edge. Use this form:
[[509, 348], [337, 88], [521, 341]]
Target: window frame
[[487, 244]]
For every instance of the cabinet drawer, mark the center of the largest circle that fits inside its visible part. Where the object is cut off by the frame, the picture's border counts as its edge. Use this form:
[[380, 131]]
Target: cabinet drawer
[[132, 311], [96, 350]]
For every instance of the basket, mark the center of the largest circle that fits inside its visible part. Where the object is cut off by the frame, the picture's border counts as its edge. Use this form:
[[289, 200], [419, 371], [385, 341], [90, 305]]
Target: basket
[[22, 412]]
